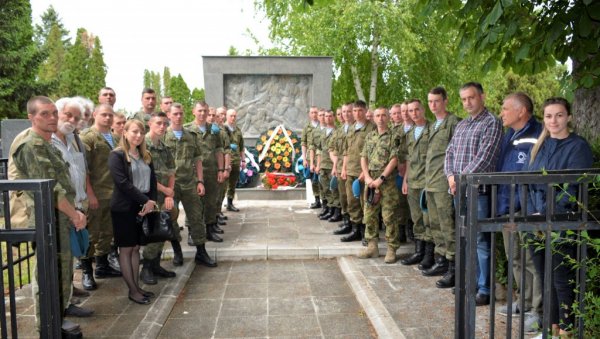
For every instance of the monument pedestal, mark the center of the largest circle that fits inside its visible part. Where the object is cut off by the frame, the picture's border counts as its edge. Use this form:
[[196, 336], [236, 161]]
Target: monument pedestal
[[259, 193]]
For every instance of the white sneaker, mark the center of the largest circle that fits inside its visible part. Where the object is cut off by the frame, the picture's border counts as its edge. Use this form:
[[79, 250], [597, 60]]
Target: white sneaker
[[503, 310], [532, 323]]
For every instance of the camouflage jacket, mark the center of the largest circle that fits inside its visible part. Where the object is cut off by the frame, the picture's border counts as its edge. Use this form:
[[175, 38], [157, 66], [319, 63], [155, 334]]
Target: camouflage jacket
[[336, 145], [97, 150], [164, 164], [306, 136], [186, 151], [435, 179], [417, 154], [210, 144], [323, 148], [355, 141], [236, 143], [379, 150], [399, 134], [36, 158], [143, 117]]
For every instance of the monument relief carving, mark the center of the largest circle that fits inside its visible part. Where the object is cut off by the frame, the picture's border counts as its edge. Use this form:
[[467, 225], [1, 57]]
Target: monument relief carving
[[265, 101]]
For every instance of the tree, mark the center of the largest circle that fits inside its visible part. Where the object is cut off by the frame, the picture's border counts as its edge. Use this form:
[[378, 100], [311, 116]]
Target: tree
[[180, 92], [42, 32], [19, 58], [96, 69], [166, 80], [197, 95], [74, 75], [152, 80], [529, 36]]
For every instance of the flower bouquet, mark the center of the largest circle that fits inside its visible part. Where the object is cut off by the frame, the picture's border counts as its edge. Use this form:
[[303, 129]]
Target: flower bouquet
[[273, 180], [278, 149]]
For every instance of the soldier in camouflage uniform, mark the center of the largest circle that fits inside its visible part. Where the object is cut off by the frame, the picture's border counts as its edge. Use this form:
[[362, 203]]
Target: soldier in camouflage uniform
[[324, 166], [34, 157], [351, 169], [401, 124], [238, 158], [148, 106], [439, 200], [336, 151], [220, 117], [212, 166], [189, 180], [312, 124], [99, 142], [379, 159], [414, 184], [314, 142], [164, 168]]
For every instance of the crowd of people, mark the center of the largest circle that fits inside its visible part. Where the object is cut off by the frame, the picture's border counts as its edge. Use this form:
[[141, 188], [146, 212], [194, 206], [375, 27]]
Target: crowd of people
[[110, 170], [394, 169], [387, 168]]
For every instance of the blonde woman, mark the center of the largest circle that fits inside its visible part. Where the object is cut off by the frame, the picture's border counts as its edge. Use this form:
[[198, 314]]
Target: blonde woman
[[557, 148], [134, 194]]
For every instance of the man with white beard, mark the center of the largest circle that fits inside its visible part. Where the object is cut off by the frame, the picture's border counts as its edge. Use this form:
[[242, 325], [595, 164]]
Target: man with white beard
[[72, 151]]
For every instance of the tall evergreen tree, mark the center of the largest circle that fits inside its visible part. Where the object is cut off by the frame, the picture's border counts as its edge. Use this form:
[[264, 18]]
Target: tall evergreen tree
[[181, 93], [74, 77], [50, 70], [50, 18], [19, 58], [96, 70], [166, 80]]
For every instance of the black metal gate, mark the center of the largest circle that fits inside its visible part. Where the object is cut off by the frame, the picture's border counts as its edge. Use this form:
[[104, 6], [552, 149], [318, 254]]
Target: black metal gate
[[469, 187], [45, 239]]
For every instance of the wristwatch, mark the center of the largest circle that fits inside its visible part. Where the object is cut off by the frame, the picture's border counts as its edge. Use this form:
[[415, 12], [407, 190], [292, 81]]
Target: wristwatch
[[382, 178], [200, 182]]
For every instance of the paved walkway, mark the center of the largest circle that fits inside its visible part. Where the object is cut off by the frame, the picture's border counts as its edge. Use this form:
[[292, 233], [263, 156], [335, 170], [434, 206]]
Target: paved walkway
[[292, 294]]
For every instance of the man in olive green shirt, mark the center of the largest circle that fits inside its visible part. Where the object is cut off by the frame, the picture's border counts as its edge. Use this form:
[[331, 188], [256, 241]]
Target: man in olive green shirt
[[379, 159], [336, 151], [324, 167], [189, 180], [439, 200], [238, 158], [313, 123], [351, 169], [148, 107], [219, 118], [401, 124], [414, 184]]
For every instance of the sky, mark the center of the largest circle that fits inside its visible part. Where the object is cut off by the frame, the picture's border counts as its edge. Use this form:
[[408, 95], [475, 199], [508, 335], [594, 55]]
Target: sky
[[138, 35]]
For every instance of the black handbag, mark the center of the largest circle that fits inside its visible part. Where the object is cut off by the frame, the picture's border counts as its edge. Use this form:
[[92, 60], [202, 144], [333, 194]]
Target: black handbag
[[157, 226]]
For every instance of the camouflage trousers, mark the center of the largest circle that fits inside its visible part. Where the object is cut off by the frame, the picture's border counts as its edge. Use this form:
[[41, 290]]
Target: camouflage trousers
[[343, 195], [222, 188], [389, 209], [100, 229], [316, 187], [194, 212], [234, 175], [211, 192], [332, 196], [355, 205], [440, 208], [419, 218], [404, 215]]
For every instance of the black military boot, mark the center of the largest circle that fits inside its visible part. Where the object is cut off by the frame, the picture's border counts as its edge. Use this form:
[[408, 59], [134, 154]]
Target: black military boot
[[159, 270], [416, 257], [220, 220], [230, 206], [328, 214], [177, 253], [217, 229], [113, 258], [316, 204], [87, 278], [337, 215], [362, 227], [325, 209], [103, 269], [345, 220], [354, 235], [428, 258], [440, 267], [223, 216], [211, 235], [202, 258], [447, 280], [190, 240], [147, 274], [346, 227]]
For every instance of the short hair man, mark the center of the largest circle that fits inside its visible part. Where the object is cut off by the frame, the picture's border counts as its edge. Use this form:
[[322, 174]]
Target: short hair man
[[118, 124], [148, 106], [417, 140], [220, 117], [165, 104], [440, 206], [34, 157], [474, 148], [238, 158], [107, 96], [336, 151], [352, 170], [324, 167], [522, 133], [99, 142], [313, 123], [379, 160]]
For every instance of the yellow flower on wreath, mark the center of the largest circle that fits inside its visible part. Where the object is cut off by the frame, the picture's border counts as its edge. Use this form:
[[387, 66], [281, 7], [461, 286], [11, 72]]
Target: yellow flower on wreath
[[277, 151], [259, 147], [276, 137], [270, 132], [267, 164], [287, 165], [271, 154], [263, 138], [273, 148], [285, 159]]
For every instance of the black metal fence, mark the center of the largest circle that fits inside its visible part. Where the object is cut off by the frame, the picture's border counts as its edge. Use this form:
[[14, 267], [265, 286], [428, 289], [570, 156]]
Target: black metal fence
[[469, 188], [17, 256]]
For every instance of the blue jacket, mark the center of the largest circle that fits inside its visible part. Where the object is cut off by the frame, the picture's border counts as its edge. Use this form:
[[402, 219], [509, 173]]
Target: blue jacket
[[572, 152], [514, 154]]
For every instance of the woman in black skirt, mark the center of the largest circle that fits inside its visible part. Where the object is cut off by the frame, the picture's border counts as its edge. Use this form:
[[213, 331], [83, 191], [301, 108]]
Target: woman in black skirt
[[134, 194]]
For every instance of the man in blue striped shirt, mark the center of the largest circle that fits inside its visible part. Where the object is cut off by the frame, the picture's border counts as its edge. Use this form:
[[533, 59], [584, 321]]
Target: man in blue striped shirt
[[474, 148]]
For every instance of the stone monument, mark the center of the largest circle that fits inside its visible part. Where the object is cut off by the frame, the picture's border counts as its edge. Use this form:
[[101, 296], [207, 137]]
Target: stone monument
[[268, 91]]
